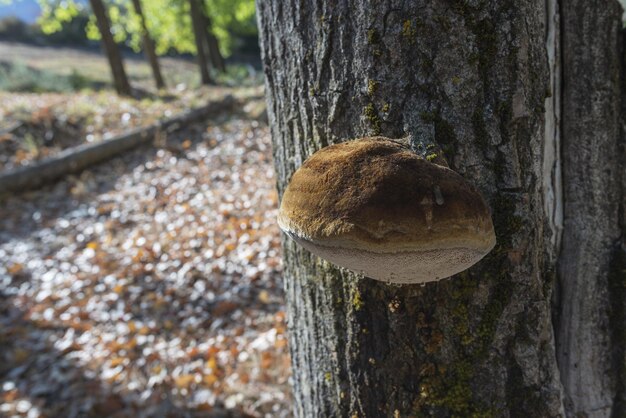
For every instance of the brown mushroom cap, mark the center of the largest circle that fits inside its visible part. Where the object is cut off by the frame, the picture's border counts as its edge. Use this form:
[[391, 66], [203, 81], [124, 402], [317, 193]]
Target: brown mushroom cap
[[373, 206]]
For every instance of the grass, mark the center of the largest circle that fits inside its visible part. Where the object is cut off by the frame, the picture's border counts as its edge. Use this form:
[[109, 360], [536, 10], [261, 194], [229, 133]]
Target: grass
[[240, 75], [45, 69], [19, 77]]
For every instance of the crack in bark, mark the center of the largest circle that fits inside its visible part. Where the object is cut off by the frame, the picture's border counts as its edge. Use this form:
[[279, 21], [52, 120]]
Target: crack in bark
[[552, 183]]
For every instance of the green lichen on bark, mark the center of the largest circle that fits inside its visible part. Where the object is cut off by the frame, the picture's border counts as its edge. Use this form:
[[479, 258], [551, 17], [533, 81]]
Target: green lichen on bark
[[373, 37], [408, 31], [371, 114], [357, 300], [445, 136], [372, 86], [374, 40]]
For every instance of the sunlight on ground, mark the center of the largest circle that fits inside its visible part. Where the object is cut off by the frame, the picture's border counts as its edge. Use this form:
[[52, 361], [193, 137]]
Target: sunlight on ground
[[149, 285]]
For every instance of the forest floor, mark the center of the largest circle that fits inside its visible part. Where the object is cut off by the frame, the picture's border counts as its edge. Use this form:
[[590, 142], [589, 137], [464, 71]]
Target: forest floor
[[149, 285], [52, 98], [35, 126]]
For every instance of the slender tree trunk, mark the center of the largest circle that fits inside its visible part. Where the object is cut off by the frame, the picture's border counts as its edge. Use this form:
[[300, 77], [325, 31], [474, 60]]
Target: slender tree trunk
[[216, 55], [110, 48], [217, 60], [199, 32], [148, 46], [487, 83], [214, 52]]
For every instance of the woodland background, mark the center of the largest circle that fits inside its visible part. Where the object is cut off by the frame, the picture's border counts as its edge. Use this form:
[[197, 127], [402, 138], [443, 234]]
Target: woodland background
[[149, 284]]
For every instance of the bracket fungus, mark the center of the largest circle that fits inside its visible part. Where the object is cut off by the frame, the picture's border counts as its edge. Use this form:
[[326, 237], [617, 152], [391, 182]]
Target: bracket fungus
[[375, 207]]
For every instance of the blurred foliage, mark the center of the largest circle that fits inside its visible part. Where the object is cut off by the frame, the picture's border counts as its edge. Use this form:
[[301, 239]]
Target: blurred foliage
[[73, 32], [55, 13], [232, 17], [14, 29], [168, 21], [18, 77], [240, 75]]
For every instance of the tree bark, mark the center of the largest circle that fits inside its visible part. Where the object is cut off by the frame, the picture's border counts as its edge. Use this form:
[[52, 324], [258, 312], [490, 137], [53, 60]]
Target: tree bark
[[592, 192], [148, 47], [217, 60], [200, 37], [484, 82], [120, 80], [216, 56]]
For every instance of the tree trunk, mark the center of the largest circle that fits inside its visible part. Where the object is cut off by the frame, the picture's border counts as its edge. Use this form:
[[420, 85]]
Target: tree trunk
[[110, 48], [484, 82], [148, 46], [199, 33], [217, 60], [216, 56], [591, 194]]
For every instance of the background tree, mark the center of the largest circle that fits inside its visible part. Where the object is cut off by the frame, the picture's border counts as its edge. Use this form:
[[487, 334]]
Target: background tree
[[120, 81], [535, 329], [200, 36], [168, 22], [148, 46], [217, 60], [227, 25], [55, 14]]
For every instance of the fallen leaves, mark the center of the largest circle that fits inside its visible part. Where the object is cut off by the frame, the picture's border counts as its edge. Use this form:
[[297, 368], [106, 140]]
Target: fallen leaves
[[15, 268], [35, 126], [149, 285]]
